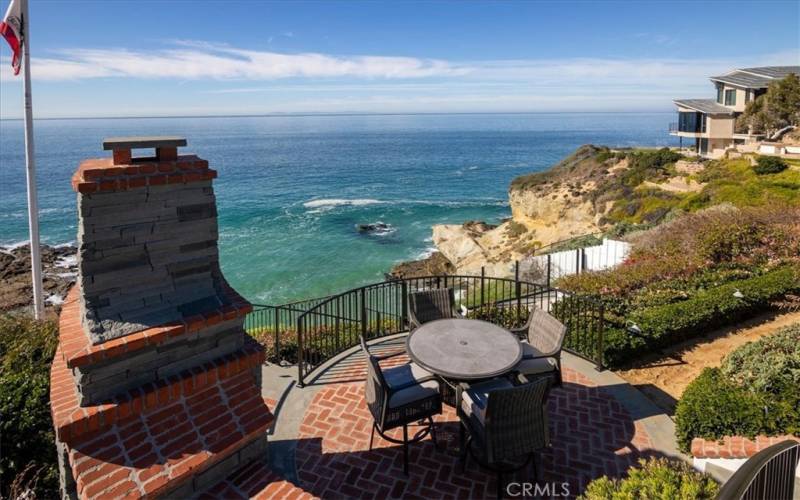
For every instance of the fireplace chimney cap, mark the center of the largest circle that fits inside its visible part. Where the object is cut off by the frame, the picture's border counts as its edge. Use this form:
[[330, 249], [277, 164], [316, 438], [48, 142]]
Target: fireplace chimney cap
[[167, 141]]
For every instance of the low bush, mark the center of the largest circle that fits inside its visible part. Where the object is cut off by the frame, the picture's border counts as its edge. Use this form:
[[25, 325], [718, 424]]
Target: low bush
[[644, 165], [706, 310], [712, 407], [770, 364], [755, 392], [769, 165], [656, 478], [26, 431]]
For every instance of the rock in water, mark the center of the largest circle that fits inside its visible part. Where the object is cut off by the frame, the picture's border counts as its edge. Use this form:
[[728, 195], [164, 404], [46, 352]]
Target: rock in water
[[375, 227]]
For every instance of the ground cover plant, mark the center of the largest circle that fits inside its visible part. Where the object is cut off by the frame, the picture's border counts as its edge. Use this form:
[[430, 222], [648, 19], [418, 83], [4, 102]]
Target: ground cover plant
[[756, 391]]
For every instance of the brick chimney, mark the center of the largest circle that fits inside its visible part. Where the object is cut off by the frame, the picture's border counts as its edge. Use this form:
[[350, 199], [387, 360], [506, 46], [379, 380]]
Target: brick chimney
[[155, 387]]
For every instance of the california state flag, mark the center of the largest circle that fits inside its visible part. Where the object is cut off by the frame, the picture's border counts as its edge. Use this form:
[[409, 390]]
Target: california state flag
[[11, 29]]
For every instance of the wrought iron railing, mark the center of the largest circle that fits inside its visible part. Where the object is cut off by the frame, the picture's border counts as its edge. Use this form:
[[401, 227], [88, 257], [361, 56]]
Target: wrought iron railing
[[311, 332], [768, 474], [275, 326]]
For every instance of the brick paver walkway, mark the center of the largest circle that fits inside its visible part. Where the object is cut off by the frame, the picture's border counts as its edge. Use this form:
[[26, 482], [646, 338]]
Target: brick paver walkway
[[592, 435]]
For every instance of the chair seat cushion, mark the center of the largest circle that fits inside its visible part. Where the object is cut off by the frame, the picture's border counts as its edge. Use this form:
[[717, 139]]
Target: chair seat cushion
[[528, 350], [534, 366], [474, 399], [414, 393], [408, 373]]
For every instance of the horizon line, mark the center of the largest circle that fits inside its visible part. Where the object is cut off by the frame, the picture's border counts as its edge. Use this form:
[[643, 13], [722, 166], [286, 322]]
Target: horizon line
[[332, 114]]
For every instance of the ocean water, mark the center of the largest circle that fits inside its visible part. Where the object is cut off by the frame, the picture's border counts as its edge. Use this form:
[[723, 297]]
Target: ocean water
[[291, 189]]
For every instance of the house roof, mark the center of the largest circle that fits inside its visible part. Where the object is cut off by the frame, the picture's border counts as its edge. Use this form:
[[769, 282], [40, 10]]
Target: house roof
[[708, 106], [756, 78]]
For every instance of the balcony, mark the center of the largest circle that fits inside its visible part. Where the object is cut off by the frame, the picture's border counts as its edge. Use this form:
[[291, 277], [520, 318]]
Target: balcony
[[599, 425], [686, 130]]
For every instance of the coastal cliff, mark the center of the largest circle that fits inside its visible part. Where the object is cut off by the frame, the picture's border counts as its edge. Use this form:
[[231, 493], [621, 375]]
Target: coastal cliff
[[597, 189], [546, 207]]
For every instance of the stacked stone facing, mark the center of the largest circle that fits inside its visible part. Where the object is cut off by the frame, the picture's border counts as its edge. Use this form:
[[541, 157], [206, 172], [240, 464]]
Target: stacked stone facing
[[151, 337]]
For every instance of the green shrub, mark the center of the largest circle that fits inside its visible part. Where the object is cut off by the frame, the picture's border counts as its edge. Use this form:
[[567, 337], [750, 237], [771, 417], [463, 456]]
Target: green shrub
[[755, 392], [769, 165], [712, 407], [27, 348], [770, 364], [648, 165], [656, 478], [706, 310], [508, 317]]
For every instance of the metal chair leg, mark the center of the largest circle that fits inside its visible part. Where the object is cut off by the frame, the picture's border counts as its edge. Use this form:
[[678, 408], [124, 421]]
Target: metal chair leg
[[499, 485], [433, 433], [371, 436], [465, 444], [405, 449]]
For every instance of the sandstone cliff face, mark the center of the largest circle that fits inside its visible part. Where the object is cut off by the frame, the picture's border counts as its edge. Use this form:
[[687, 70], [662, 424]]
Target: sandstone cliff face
[[546, 207]]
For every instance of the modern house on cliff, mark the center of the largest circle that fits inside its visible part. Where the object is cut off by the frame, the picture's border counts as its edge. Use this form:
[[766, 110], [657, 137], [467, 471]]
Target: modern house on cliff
[[712, 122]]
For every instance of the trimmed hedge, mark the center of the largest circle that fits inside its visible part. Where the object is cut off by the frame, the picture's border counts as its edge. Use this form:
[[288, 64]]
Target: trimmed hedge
[[656, 478], [753, 393], [712, 407], [706, 310]]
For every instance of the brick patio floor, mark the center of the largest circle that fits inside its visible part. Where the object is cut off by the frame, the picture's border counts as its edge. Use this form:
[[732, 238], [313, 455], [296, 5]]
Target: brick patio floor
[[592, 435], [591, 431]]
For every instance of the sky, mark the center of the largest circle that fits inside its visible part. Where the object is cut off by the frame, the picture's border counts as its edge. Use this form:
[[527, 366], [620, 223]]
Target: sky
[[114, 58]]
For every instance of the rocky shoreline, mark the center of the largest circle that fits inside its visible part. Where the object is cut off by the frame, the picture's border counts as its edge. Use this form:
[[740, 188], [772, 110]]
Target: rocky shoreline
[[59, 269]]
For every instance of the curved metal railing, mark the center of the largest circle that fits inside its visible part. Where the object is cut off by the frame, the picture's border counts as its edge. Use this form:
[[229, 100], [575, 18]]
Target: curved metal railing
[[770, 473], [334, 324]]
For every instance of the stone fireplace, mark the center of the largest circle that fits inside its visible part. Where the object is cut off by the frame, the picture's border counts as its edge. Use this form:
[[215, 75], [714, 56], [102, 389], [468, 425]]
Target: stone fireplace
[[152, 342]]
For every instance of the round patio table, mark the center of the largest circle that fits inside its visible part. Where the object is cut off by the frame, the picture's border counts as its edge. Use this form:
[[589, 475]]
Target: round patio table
[[464, 349]]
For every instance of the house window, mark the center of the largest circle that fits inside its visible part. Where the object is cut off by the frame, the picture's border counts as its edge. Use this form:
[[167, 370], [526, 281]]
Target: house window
[[730, 97], [719, 94]]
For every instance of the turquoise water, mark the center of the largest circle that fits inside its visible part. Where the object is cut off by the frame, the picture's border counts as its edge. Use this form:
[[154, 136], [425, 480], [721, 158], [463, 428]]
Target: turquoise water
[[291, 189]]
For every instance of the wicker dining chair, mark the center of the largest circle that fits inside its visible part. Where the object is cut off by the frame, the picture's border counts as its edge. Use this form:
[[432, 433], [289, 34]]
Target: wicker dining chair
[[399, 396], [543, 339], [505, 422], [430, 305]]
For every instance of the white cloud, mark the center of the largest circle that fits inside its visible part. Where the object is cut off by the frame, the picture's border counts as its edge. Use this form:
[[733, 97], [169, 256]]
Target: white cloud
[[198, 60], [187, 72]]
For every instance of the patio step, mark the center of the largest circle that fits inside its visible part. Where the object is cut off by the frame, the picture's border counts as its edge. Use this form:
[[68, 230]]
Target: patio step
[[255, 480]]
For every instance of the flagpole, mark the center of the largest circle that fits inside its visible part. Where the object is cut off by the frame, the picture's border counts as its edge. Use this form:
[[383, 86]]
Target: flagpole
[[30, 164]]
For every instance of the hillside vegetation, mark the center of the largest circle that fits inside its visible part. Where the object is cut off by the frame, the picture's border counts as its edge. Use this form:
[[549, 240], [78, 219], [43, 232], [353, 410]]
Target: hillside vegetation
[[600, 190], [695, 273]]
